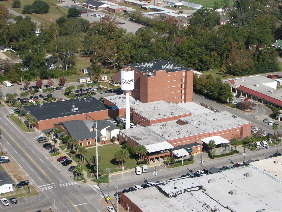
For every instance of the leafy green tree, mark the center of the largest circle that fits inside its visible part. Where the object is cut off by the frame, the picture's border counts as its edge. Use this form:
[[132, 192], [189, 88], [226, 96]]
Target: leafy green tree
[[16, 4], [3, 11], [11, 97], [121, 156], [205, 18], [27, 9], [78, 170], [24, 94], [40, 7], [211, 145], [64, 49], [72, 142], [140, 150], [73, 12], [275, 128], [95, 71], [234, 142], [31, 120], [82, 151]]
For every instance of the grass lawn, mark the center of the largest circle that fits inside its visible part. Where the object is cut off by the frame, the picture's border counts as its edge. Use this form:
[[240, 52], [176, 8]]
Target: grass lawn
[[20, 124], [54, 13], [216, 73], [205, 3], [107, 158]]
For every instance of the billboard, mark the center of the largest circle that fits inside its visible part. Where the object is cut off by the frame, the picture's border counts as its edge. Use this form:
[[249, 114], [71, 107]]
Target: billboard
[[127, 79]]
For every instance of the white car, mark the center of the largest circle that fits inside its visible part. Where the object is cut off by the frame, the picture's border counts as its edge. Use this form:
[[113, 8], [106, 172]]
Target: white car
[[5, 202], [111, 209]]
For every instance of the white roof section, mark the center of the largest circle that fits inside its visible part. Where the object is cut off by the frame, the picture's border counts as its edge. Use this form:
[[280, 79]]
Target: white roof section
[[158, 110], [120, 100], [203, 123], [259, 83], [217, 139], [194, 108], [180, 153], [147, 138], [266, 195]]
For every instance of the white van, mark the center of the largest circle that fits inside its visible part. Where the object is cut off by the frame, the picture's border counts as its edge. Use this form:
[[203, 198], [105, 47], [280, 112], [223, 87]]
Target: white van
[[7, 84], [264, 143], [257, 144], [138, 170], [145, 169]]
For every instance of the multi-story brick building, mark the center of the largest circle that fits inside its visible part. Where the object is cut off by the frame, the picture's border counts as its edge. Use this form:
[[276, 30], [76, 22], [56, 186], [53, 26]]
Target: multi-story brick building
[[161, 80]]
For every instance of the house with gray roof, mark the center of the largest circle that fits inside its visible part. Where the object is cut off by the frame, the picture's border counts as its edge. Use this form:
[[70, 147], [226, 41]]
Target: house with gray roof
[[85, 131]]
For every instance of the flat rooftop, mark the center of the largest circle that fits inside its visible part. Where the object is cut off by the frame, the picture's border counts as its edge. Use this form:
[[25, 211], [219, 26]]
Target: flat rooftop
[[120, 102], [151, 67], [149, 139], [158, 110], [250, 193], [194, 108], [259, 83], [65, 108], [197, 124]]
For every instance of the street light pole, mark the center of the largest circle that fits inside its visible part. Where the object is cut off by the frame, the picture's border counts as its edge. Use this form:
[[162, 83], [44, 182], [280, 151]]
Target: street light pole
[[97, 166], [117, 198]]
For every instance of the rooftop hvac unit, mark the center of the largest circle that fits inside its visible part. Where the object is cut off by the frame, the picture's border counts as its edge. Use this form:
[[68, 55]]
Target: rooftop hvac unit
[[248, 174], [233, 192]]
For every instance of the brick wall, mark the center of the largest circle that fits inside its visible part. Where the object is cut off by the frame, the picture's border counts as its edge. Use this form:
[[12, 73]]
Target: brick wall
[[47, 124], [168, 86]]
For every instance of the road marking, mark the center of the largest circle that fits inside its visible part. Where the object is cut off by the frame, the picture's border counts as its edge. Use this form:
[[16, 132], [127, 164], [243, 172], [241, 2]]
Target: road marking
[[15, 151], [71, 202], [26, 154], [41, 160], [81, 204]]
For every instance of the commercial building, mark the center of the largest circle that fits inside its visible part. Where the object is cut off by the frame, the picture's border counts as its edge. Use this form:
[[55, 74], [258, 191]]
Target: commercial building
[[229, 190], [259, 88], [48, 114], [161, 80], [186, 130]]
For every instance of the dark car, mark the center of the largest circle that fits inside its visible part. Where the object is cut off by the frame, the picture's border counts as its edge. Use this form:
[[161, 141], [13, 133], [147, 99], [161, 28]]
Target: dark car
[[4, 160], [23, 183], [47, 146], [13, 200], [71, 168], [125, 191], [66, 162], [42, 139], [131, 189]]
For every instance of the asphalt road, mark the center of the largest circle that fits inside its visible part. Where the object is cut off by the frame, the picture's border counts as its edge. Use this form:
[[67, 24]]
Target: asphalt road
[[58, 190]]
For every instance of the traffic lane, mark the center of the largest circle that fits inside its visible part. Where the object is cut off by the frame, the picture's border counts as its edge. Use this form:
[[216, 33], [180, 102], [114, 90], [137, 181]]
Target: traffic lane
[[131, 179], [25, 153]]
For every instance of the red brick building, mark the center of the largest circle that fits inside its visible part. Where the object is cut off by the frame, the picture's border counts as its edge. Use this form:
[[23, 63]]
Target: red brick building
[[161, 80], [47, 114]]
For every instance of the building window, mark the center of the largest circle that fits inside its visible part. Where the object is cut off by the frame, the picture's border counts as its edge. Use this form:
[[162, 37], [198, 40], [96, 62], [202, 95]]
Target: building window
[[199, 148], [81, 144], [89, 143]]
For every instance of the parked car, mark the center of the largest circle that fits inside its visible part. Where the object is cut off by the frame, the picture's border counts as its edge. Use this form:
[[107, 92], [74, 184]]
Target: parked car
[[5, 202], [265, 120], [23, 183], [71, 168], [47, 146], [42, 139], [264, 144], [13, 200], [62, 158], [66, 162], [111, 209]]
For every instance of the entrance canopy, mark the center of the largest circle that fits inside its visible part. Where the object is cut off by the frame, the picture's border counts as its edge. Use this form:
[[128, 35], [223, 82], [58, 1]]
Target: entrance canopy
[[180, 153], [217, 139]]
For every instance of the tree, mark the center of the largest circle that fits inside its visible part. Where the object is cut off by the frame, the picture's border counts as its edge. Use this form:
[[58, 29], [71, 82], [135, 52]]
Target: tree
[[245, 105], [211, 145], [24, 94], [50, 82], [72, 142], [11, 97], [140, 150], [39, 83], [78, 170], [40, 7], [95, 71], [234, 142], [121, 156], [74, 12], [82, 151], [27, 9], [16, 4], [31, 120], [3, 11], [275, 128], [62, 81]]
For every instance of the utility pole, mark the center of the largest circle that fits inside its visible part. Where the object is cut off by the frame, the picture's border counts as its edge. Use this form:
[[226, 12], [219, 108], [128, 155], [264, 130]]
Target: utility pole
[[97, 166], [117, 197]]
